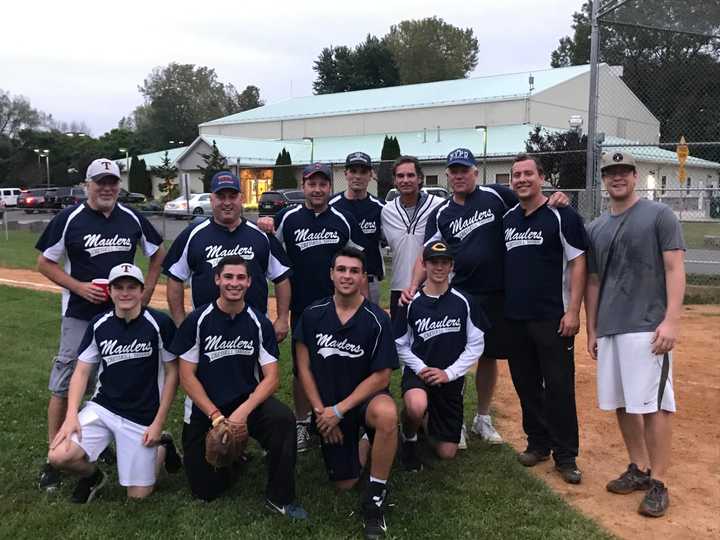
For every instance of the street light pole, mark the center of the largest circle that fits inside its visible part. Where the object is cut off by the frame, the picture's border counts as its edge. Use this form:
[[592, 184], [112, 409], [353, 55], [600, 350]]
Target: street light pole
[[484, 165], [46, 153], [312, 147], [40, 171], [127, 164]]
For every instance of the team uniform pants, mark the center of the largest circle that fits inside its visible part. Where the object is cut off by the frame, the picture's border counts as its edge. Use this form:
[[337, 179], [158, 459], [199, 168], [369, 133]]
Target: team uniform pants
[[272, 424], [542, 367]]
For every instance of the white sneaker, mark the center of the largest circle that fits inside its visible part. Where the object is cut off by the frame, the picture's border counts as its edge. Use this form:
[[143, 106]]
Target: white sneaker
[[483, 426], [462, 445], [302, 437]]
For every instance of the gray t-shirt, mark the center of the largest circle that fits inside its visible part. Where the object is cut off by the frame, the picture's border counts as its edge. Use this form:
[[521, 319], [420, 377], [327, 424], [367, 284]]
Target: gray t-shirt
[[633, 298]]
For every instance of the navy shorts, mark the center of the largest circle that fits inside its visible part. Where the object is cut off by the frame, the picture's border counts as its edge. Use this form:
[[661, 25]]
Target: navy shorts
[[445, 405]]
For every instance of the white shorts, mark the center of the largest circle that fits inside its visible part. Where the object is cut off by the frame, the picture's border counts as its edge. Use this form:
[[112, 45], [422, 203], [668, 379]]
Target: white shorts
[[135, 462], [630, 376]]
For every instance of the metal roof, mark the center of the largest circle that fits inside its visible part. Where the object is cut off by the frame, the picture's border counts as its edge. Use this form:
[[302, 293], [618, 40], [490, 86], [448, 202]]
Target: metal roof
[[410, 96]]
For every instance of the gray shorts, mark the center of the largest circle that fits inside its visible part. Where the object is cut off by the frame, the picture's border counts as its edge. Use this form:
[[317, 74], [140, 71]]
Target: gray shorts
[[71, 333]]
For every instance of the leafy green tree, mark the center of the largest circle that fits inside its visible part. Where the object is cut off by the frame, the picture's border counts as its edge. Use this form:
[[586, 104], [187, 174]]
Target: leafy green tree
[[562, 155], [167, 172], [389, 153], [283, 176], [214, 162], [16, 114], [430, 50]]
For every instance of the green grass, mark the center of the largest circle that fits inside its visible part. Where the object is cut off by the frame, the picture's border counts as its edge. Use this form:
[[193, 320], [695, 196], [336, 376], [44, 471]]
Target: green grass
[[694, 233], [484, 493]]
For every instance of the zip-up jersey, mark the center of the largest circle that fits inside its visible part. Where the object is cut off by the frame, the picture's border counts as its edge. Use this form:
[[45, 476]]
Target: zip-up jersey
[[131, 357]]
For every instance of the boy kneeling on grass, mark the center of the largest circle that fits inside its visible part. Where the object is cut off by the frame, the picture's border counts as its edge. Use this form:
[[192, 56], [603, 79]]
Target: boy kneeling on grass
[[440, 340], [136, 385]]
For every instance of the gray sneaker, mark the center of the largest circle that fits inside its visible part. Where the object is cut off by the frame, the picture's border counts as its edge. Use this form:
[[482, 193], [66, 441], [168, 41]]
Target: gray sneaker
[[302, 437], [633, 479], [656, 500], [483, 426]]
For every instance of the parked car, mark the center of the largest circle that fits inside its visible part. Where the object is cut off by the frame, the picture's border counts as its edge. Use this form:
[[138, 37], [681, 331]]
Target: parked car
[[271, 202], [197, 204], [432, 190], [9, 196], [64, 197], [128, 197], [33, 200]]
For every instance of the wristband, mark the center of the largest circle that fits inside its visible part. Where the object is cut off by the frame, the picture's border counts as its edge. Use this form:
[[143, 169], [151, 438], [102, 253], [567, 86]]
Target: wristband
[[337, 412], [218, 419]]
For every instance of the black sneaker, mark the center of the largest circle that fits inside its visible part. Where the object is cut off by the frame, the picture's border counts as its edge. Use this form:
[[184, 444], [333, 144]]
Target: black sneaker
[[656, 500], [530, 458], [373, 516], [569, 472], [292, 510], [173, 461], [50, 478], [108, 456], [409, 457], [87, 488], [633, 479]]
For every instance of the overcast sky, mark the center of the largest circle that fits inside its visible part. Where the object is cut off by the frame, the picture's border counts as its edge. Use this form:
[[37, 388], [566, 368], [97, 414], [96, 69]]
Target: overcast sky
[[83, 60]]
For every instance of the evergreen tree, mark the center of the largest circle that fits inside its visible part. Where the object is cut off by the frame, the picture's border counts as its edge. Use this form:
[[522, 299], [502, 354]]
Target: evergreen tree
[[167, 172], [138, 180], [214, 162], [283, 176], [389, 153]]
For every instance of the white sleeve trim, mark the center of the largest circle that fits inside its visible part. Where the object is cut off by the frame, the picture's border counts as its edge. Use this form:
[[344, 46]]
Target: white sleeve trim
[[264, 356], [148, 247], [473, 348], [349, 228], [181, 268], [57, 250]]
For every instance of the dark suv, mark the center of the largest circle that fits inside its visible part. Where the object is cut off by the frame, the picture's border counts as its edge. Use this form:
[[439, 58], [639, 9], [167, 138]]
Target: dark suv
[[271, 202], [64, 197], [127, 197]]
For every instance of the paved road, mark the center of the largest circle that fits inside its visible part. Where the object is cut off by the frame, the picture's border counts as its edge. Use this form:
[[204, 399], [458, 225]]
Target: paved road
[[698, 261]]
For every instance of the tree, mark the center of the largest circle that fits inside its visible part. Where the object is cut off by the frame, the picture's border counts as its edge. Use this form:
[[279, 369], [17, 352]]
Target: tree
[[16, 114], [167, 172], [138, 179], [283, 176], [562, 155], [369, 65], [389, 153], [214, 162], [676, 75], [430, 50], [178, 97]]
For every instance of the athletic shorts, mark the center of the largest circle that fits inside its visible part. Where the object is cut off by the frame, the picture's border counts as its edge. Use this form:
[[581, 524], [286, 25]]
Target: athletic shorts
[[630, 376], [498, 338], [342, 461], [445, 405], [71, 333], [135, 462]]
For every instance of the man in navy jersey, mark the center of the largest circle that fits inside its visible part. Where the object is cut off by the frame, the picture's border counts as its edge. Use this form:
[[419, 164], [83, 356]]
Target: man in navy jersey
[[228, 368], [92, 237], [136, 385], [544, 285], [440, 339], [195, 252], [345, 355], [312, 234], [471, 224], [366, 210]]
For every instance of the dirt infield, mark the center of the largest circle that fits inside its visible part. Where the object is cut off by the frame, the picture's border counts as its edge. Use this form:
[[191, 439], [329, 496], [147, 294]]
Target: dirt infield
[[694, 479]]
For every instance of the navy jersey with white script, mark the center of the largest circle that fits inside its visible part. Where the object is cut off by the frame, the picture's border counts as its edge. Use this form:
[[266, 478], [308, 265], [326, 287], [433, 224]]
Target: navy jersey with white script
[[445, 332], [311, 240], [229, 352], [344, 355], [92, 244], [538, 248], [367, 213], [200, 247], [474, 232], [131, 357]]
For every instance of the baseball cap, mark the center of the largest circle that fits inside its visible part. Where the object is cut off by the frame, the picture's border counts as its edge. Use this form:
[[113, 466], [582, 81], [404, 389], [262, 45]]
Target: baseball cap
[[437, 250], [610, 159], [126, 270], [317, 168], [358, 158], [461, 156], [224, 180], [100, 168]]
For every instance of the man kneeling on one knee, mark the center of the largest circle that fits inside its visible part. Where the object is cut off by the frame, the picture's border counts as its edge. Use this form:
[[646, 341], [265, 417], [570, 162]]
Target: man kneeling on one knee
[[128, 406], [441, 340]]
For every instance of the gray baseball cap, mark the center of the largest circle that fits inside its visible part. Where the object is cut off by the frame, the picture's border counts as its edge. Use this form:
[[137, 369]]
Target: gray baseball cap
[[610, 159]]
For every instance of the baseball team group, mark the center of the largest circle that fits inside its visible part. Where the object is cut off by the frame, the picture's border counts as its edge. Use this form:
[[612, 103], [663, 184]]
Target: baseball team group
[[492, 272]]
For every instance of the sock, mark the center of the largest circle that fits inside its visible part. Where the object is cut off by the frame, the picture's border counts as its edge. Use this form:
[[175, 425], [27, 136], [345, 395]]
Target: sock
[[377, 480], [405, 438]]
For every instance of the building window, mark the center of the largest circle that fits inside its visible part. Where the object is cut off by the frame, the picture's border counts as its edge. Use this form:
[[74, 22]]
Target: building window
[[431, 180], [502, 178], [688, 185], [663, 185]]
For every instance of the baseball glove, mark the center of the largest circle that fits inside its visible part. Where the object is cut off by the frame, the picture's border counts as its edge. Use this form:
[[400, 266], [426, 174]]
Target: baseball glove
[[225, 443]]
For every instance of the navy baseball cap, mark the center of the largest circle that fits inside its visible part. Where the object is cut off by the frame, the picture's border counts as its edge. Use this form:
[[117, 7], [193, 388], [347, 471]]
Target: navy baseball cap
[[437, 250], [317, 168], [461, 156], [224, 180], [358, 158]]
